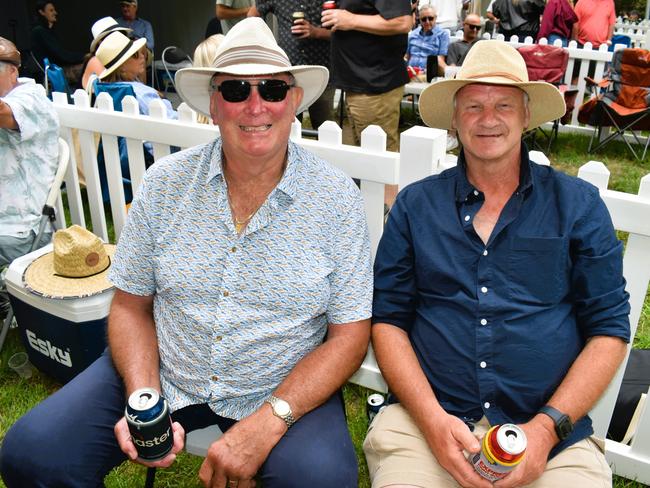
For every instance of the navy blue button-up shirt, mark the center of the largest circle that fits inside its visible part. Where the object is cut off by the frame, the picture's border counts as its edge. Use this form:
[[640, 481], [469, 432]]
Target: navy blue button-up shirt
[[496, 327]]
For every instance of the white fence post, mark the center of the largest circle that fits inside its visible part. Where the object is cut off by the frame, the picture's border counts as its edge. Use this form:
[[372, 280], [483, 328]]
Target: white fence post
[[422, 153]]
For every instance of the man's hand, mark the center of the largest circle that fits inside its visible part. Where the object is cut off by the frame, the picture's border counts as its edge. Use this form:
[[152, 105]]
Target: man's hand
[[302, 29], [238, 454], [449, 438], [123, 437], [338, 19], [541, 440]]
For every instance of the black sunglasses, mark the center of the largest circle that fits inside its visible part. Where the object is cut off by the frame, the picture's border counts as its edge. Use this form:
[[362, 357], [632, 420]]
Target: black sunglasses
[[427, 19], [236, 91], [474, 27]]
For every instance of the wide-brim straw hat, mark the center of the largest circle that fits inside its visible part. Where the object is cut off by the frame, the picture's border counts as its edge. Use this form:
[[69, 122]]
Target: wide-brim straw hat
[[76, 268], [9, 53], [249, 48], [115, 50], [102, 28], [491, 63]]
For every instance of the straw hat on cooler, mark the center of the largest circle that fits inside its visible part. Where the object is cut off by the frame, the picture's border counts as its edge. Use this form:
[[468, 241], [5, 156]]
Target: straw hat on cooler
[[249, 48], [102, 28], [491, 63], [78, 266], [115, 50]]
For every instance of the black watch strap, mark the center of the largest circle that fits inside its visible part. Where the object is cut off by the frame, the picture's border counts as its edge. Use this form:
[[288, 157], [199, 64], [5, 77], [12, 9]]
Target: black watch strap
[[563, 424]]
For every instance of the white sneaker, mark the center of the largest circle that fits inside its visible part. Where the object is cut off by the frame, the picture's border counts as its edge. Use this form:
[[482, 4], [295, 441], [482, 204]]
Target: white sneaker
[[452, 142]]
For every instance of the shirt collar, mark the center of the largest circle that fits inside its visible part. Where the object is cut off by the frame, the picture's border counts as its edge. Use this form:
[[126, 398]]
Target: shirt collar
[[288, 182], [464, 188]]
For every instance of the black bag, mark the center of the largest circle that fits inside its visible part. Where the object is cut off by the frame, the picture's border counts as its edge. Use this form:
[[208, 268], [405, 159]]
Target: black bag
[[635, 382]]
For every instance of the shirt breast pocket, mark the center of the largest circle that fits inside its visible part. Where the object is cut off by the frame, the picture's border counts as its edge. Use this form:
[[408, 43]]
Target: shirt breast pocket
[[537, 269]]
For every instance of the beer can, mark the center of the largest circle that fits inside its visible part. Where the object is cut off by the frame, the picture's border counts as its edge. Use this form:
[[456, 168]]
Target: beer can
[[150, 425], [329, 4], [374, 404], [502, 449]]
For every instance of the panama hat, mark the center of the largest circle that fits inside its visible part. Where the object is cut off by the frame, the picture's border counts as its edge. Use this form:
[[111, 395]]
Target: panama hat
[[491, 63], [249, 48], [78, 266], [115, 49], [102, 28]]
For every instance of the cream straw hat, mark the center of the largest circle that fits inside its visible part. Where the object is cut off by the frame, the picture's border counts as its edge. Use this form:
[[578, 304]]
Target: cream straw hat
[[78, 266], [116, 49], [491, 63], [249, 48]]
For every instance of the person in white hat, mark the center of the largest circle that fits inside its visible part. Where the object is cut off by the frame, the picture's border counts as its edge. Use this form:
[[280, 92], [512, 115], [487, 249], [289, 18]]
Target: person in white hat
[[243, 288], [499, 297], [100, 30]]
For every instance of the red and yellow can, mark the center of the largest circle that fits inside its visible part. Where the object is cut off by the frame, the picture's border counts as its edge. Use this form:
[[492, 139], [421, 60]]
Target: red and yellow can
[[502, 449]]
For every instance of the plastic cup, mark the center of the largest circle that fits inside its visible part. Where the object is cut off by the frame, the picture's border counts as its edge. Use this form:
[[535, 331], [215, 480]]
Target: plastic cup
[[19, 362]]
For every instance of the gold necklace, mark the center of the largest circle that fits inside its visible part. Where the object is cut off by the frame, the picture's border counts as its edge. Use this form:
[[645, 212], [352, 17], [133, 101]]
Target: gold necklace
[[239, 224]]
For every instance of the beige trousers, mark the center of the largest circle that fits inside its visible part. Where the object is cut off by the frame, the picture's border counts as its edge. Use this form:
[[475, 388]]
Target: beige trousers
[[382, 110], [397, 453]]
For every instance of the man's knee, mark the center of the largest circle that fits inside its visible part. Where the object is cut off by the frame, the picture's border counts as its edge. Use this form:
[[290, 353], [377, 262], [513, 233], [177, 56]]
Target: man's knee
[[19, 463]]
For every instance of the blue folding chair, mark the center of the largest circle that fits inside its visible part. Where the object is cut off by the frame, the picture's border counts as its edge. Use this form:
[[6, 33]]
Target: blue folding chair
[[54, 79], [620, 39]]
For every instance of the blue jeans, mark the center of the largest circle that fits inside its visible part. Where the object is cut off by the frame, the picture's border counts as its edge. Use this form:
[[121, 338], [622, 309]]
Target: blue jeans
[[67, 440]]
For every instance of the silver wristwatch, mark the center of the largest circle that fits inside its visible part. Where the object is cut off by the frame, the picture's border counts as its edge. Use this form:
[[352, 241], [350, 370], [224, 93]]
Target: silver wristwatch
[[281, 409]]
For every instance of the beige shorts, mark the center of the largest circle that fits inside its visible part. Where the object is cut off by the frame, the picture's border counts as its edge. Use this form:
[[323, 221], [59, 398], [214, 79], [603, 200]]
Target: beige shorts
[[398, 454]]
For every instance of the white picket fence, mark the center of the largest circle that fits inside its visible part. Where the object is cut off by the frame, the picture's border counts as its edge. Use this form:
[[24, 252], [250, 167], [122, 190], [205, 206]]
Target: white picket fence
[[422, 153], [639, 33]]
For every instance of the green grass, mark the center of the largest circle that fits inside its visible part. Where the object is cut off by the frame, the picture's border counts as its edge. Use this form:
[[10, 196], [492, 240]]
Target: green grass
[[17, 396]]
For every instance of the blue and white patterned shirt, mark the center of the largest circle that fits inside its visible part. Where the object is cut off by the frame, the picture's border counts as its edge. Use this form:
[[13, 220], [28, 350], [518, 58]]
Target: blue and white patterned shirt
[[423, 44], [234, 314], [28, 159]]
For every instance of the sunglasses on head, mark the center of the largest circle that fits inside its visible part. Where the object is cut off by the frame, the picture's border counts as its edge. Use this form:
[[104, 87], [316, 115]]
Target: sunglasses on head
[[235, 91], [474, 27], [427, 19]]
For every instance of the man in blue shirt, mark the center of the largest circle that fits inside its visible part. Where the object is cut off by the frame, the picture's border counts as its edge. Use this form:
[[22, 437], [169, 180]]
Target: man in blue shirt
[[426, 40], [499, 296], [130, 19]]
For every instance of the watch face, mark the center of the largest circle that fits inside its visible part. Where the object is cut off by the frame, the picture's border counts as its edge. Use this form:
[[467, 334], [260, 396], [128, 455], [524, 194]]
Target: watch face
[[281, 408], [564, 427]]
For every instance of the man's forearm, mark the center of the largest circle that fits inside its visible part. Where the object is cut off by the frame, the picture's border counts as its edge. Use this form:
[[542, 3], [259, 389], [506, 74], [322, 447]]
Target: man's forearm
[[402, 371], [589, 376], [132, 340], [323, 371], [224, 12], [376, 24]]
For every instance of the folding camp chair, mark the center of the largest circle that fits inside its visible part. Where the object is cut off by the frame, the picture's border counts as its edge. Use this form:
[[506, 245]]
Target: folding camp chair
[[621, 102], [54, 79], [548, 63], [48, 216]]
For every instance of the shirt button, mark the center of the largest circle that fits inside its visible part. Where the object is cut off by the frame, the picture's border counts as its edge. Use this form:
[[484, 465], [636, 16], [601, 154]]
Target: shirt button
[[483, 364], [467, 218], [483, 322], [485, 252], [215, 378], [233, 249], [225, 293], [483, 289], [486, 404], [476, 192], [218, 338]]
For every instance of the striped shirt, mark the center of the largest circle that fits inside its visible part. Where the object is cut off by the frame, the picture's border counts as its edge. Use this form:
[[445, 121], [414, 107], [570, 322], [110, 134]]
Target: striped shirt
[[234, 314]]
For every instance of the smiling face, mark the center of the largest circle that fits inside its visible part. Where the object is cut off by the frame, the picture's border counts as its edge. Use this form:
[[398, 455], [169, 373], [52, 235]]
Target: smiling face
[[490, 120], [255, 128], [49, 12], [471, 27]]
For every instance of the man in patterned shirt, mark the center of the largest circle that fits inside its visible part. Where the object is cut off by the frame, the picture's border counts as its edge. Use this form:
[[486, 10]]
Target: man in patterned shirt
[[304, 41], [243, 294], [29, 129]]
